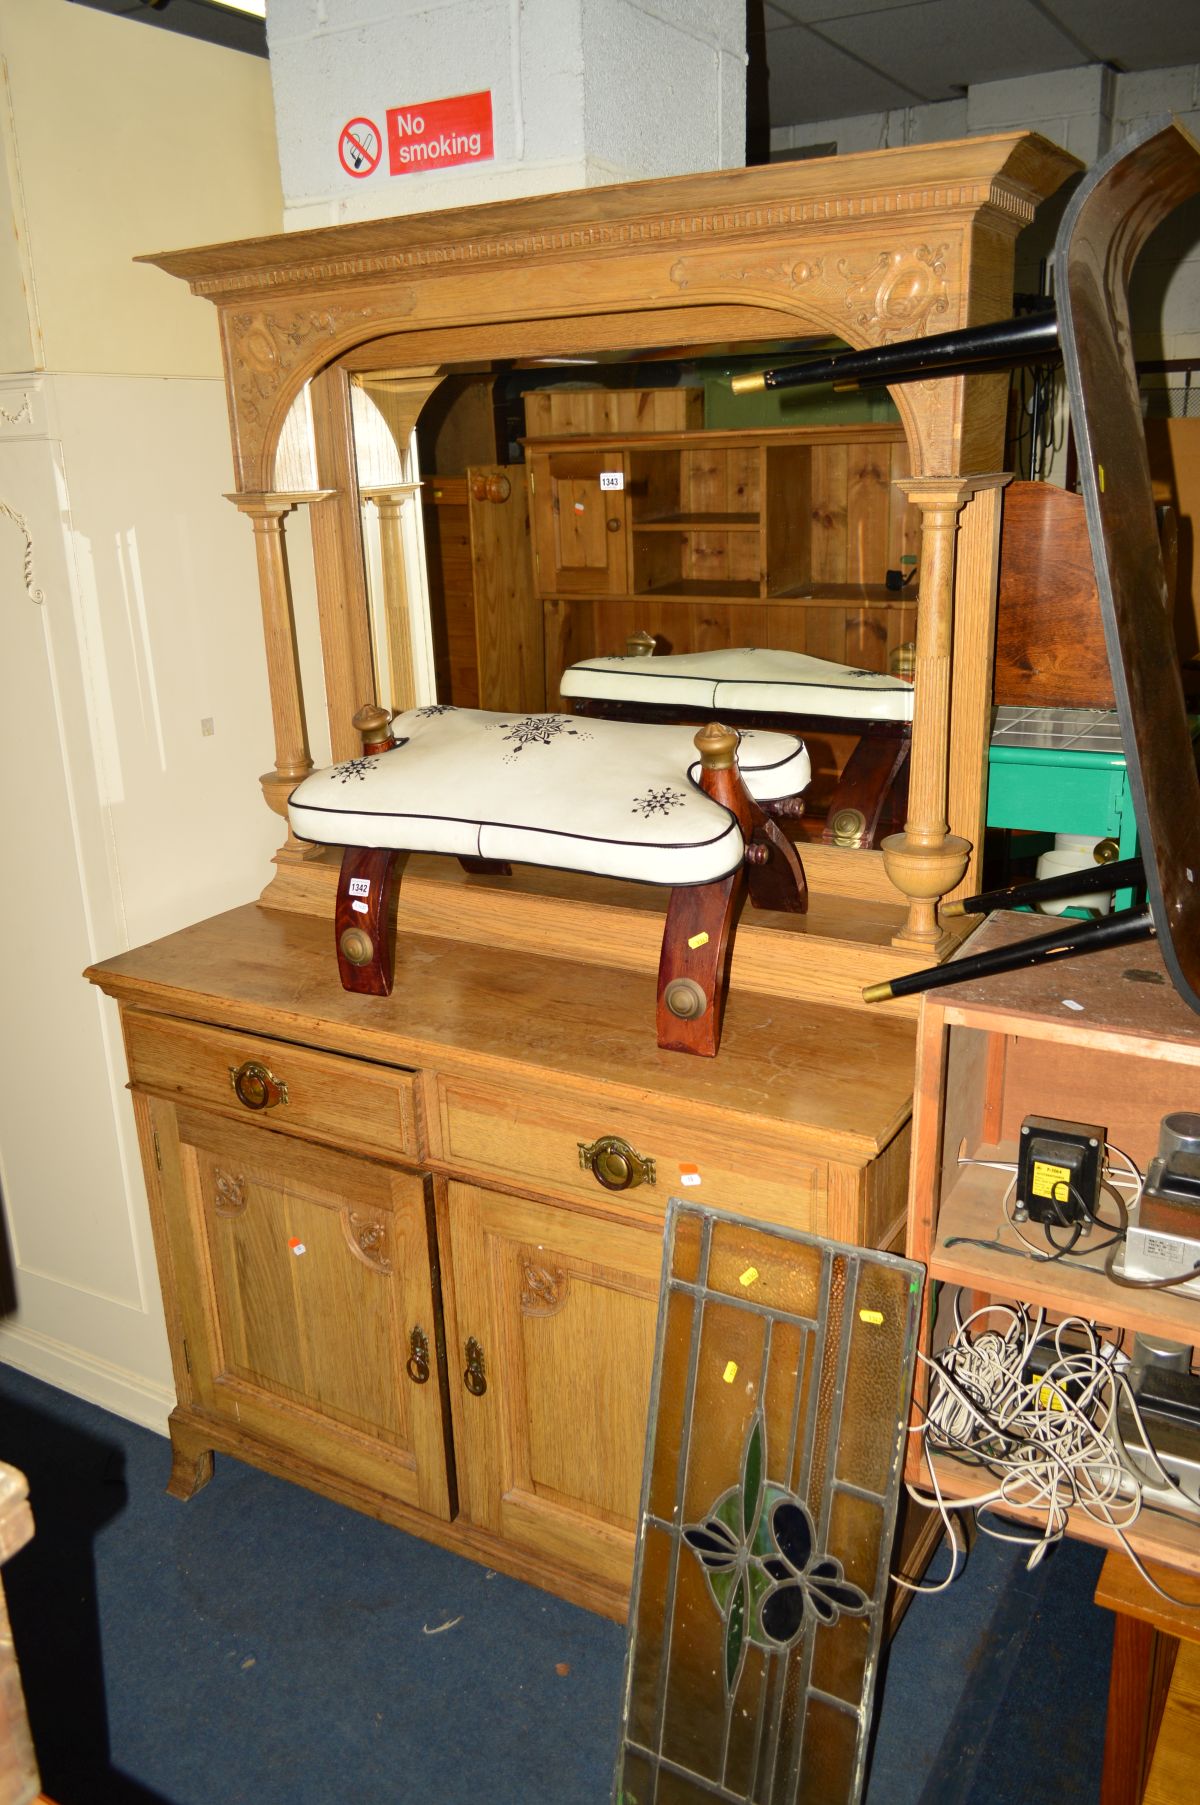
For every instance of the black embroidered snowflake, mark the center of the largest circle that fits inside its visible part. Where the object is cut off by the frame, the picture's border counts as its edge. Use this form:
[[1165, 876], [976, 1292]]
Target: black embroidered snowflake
[[538, 730], [354, 767], [424, 714], [656, 802]]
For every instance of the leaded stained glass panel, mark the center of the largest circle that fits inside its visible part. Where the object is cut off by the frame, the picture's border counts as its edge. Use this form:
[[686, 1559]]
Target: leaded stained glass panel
[[781, 1383]]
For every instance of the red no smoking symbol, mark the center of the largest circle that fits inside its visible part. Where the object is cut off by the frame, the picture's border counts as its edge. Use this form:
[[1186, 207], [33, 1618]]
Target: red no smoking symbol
[[359, 147]]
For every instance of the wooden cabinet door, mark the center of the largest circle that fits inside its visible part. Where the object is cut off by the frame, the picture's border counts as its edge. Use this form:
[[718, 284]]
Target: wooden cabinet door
[[562, 1306], [509, 652], [579, 532], [301, 1275]]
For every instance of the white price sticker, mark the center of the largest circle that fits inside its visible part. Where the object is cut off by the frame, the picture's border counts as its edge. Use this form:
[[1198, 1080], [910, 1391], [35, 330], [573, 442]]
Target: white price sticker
[[612, 479]]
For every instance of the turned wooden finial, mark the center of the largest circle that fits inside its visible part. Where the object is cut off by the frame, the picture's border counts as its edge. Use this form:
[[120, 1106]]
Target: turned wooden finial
[[716, 746], [640, 645], [375, 725]]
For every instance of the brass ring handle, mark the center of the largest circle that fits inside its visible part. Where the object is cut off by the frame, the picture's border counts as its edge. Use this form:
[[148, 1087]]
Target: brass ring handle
[[475, 1375], [256, 1086], [417, 1364], [614, 1164]]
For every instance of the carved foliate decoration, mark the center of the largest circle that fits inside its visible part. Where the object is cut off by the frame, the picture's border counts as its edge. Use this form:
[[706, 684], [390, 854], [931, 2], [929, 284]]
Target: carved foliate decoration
[[543, 1288], [366, 1237], [229, 1192], [266, 346], [23, 415], [31, 589], [900, 294]]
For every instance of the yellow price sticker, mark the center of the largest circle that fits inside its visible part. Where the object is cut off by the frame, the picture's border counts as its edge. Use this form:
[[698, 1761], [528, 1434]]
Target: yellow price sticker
[[698, 940], [748, 1277], [730, 1373], [872, 1316]]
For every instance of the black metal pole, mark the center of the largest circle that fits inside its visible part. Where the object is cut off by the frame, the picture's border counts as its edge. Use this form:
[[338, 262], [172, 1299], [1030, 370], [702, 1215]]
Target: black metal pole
[[1046, 889], [1046, 949], [1031, 338]]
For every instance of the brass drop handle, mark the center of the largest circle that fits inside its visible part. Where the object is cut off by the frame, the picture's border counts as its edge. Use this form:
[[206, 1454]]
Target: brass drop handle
[[615, 1165], [417, 1364], [256, 1086], [475, 1376]]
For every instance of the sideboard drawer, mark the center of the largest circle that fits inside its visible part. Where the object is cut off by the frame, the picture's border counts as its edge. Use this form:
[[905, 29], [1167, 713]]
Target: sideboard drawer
[[367, 1108], [533, 1137]]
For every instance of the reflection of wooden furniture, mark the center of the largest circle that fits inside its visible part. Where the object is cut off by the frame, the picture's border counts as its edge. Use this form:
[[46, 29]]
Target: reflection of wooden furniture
[[778, 539], [870, 249], [614, 799], [1057, 771], [992, 1052], [18, 1764], [1049, 635], [855, 724], [411, 1253], [487, 622], [1146, 1641], [553, 413]]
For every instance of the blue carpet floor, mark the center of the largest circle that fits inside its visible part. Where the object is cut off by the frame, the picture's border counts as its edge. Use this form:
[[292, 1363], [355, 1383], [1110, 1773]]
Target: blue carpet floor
[[262, 1645]]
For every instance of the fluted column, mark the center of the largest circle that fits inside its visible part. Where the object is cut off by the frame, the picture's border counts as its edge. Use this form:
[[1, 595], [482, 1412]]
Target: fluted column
[[389, 500], [265, 511], [927, 860]]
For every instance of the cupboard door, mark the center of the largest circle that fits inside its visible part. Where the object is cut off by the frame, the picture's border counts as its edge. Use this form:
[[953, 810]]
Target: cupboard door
[[309, 1301], [509, 638], [578, 527], [550, 1406]]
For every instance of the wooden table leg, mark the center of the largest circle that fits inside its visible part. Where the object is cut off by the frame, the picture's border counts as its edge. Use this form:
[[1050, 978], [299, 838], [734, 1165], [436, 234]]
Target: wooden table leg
[[1142, 1660]]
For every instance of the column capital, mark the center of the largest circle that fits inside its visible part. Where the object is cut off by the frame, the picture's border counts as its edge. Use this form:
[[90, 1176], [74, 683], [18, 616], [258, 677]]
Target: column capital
[[273, 504], [955, 492], [388, 494]]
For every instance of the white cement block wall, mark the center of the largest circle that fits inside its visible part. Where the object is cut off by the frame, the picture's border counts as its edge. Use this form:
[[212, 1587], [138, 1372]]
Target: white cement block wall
[[583, 92], [1087, 111]]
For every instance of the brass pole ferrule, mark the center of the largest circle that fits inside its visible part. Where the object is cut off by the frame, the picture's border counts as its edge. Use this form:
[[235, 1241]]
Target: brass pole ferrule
[[877, 993], [748, 385]]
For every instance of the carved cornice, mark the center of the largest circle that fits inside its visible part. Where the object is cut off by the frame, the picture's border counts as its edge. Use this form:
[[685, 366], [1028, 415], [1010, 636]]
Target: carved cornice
[[624, 235]]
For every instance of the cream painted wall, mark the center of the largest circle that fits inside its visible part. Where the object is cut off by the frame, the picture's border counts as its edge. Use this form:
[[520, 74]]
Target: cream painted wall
[[131, 140], [133, 706]]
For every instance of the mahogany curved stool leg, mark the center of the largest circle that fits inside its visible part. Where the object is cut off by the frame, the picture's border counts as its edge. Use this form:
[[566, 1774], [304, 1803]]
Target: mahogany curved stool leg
[[361, 926], [697, 946], [773, 868], [693, 967]]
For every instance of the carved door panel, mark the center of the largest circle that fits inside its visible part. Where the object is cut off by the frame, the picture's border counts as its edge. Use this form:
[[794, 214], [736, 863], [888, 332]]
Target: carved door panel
[[311, 1310], [550, 1402], [578, 527]]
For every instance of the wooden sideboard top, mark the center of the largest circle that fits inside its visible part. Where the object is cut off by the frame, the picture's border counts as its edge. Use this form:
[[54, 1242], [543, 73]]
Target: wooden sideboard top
[[469, 1008]]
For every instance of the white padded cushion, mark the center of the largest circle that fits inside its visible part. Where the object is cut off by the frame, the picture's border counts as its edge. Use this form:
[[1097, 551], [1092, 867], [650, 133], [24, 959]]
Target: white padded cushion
[[612, 797], [788, 683]]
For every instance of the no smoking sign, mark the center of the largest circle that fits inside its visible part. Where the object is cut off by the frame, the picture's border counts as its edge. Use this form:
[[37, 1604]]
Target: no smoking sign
[[359, 147]]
